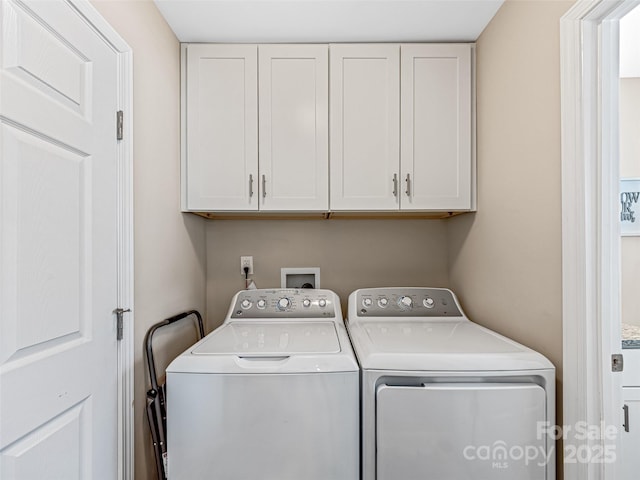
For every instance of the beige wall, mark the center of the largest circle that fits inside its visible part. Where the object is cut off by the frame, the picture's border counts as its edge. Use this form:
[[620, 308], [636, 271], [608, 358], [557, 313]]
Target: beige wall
[[630, 168], [505, 261], [169, 246], [351, 254], [630, 127]]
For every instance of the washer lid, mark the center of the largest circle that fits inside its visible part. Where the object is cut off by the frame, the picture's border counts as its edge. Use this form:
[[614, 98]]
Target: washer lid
[[430, 345], [266, 339], [264, 347]]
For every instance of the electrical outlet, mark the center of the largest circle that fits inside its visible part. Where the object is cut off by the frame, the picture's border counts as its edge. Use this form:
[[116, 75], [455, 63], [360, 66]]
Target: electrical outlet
[[246, 262]]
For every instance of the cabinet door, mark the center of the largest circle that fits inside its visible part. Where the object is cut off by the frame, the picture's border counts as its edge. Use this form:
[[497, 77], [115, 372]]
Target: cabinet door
[[436, 155], [365, 126], [220, 160], [293, 96], [629, 461]]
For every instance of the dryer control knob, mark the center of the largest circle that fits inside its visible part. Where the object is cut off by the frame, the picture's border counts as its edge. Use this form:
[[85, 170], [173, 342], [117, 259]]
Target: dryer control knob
[[367, 302], [383, 302], [262, 303], [428, 302], [405, 302], [322, 303], [246, 304], [284, 303], [306, 303]]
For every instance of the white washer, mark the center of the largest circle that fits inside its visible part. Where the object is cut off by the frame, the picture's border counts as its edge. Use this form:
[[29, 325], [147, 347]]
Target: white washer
[[444, 398], [272, 394]]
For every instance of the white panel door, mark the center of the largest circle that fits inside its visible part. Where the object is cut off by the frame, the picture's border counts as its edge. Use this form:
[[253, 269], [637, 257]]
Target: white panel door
[[461, 432], [293, 138], [58, 250], [365, 126], [222, 127], [436, 113]]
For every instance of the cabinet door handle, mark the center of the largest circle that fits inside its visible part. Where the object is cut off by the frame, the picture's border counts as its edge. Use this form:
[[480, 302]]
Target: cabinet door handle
[[250, 185], [626, 418], [408, 191], [395, 184], [264, 186]]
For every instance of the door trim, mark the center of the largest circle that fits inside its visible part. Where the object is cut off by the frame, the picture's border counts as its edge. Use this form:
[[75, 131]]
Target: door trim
[[124, 231], [589, 45]]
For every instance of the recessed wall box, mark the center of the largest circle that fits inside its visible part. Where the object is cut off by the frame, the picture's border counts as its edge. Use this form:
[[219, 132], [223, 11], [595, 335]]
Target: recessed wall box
[[306, 277]]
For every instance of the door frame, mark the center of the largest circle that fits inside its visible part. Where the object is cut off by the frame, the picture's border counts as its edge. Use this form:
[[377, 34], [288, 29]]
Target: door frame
[[589, 42], [124, 231]]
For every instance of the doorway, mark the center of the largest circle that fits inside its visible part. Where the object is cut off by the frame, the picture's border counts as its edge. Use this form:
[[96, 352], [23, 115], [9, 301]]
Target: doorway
[[629, 158], [593, 301]]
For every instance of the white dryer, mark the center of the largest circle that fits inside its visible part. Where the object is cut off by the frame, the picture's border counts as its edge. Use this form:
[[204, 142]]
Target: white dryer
[[444, 398], [272, 394]]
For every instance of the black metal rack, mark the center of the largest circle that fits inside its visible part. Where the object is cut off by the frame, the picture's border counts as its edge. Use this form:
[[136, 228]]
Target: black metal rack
[[156, 408]]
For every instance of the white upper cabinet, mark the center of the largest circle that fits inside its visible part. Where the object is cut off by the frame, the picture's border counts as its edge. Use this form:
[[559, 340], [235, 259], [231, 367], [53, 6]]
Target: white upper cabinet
[[256, 128], [293, 140], [436, 127], [220, 137], [365, 126], [401, 127]]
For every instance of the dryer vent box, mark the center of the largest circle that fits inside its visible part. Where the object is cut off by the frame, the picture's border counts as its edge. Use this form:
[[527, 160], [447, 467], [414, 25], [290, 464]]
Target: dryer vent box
[[307, 277]]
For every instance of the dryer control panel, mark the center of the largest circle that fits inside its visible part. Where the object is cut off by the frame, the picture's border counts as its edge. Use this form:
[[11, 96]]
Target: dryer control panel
[[406, 302], [285, 303]]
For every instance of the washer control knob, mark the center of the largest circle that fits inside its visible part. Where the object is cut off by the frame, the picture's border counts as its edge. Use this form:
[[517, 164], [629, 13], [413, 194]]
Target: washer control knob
[[428, 302], [322, 303], [383, 302], [262, 303], [367, 302], [306, 303], [246, 303], [405, 302], [284, 303]]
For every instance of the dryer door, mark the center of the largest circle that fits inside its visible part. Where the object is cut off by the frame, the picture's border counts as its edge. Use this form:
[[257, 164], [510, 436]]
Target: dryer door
[[464, 431]]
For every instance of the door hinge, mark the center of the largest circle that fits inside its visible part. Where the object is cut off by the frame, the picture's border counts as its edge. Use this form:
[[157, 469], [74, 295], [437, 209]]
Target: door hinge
[[617, 362], [119, 125], [120, 321]]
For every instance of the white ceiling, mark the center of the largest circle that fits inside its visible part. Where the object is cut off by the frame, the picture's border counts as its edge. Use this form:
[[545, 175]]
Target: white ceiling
[[324, 21]]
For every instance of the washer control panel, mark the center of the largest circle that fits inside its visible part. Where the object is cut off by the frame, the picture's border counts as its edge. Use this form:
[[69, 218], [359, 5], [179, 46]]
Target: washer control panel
[[285, 303], [406, 302]]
